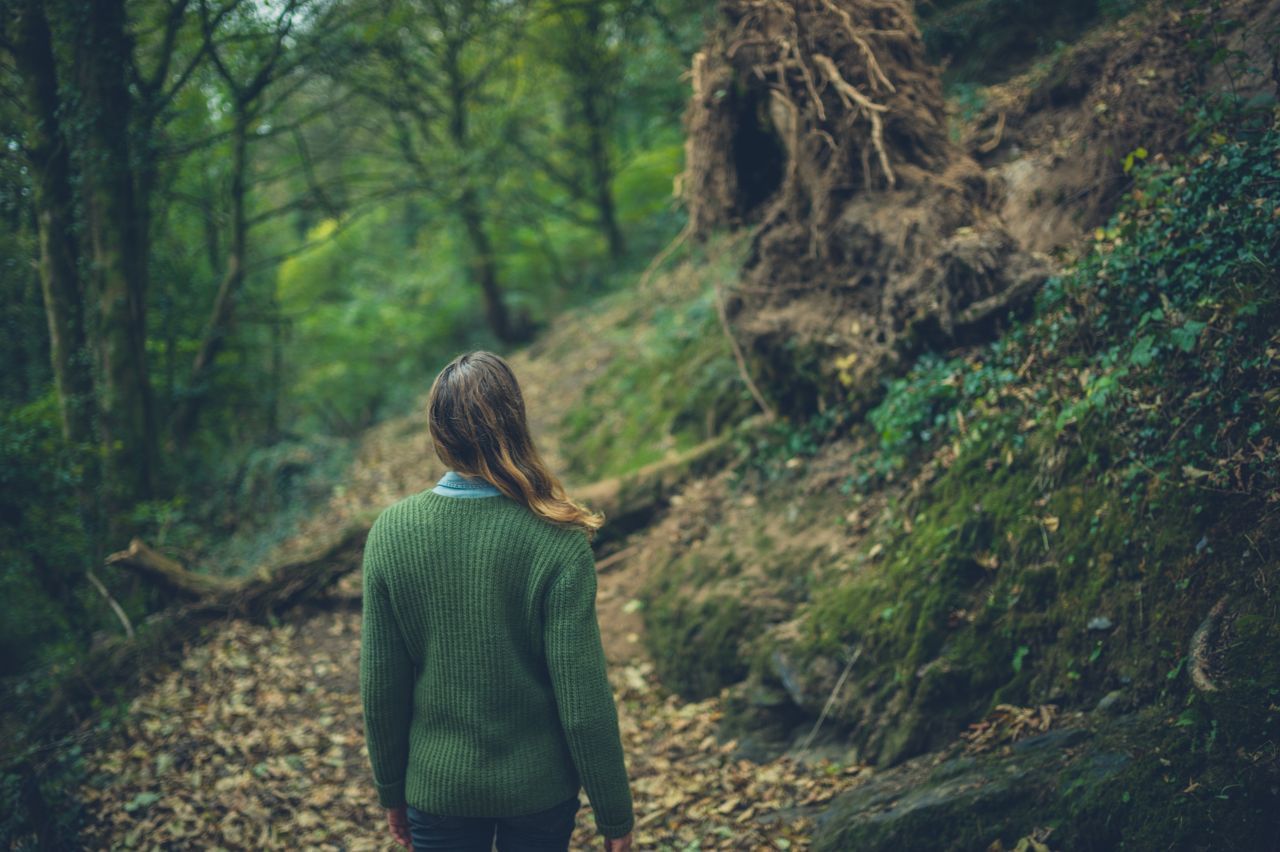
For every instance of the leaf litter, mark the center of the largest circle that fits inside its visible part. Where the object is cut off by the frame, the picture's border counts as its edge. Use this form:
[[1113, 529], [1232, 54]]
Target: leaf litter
[[256, 741]]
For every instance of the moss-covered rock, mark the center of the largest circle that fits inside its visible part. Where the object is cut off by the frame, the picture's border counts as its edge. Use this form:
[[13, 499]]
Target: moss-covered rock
[[1128, 782], [722, 569], [695, 642], [962, 803]]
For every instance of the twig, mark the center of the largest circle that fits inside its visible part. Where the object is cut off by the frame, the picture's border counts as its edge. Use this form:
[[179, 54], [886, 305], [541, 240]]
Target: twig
[[769, 414], [120, 614], [874, 71], [996, 136], [826, 708], [851, 96], [663, 255]]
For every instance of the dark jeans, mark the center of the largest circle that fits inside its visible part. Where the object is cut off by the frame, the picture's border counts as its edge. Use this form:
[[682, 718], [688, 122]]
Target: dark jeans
[[543, 831]]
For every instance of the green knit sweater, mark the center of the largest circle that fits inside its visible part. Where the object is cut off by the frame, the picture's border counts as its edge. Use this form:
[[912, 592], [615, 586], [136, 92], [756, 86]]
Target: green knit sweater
[[482, 673]]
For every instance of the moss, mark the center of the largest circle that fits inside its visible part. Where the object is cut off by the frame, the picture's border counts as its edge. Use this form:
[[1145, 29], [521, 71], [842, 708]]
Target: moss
[[1008, 585], [1246, 708], [695, 643], [1172, 794]]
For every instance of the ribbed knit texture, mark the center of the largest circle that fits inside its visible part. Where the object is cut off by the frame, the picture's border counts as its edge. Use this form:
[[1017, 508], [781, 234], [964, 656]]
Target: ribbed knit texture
[[482, 672]]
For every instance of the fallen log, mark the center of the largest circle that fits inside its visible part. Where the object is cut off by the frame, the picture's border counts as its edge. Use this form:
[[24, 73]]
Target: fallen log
[[167, 573], [273, 589], [629, 501]]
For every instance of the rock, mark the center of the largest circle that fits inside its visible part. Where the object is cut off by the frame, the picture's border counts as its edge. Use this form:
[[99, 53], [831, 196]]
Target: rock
[[1111, 702], [969, 801], [1058, 738], [788, 676]]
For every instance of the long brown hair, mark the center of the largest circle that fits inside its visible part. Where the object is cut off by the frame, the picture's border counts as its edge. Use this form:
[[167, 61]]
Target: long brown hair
[[478, 425]]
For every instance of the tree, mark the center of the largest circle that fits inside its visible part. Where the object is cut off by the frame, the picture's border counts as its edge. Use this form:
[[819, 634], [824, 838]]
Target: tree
[[439, 68], [252, 53], [91, 113], [49, 159], [118, 248], [580, 40]]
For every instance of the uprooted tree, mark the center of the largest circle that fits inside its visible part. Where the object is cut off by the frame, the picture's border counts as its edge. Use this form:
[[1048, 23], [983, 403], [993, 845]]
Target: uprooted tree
[[820, 124]]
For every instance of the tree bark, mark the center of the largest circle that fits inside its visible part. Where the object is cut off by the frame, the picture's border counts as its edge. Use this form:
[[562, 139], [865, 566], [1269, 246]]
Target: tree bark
[[602, 180], [168, 573], [120, 267], [50, 162]]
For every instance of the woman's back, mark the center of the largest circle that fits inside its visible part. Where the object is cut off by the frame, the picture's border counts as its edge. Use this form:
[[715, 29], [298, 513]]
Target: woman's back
[[482, 671]]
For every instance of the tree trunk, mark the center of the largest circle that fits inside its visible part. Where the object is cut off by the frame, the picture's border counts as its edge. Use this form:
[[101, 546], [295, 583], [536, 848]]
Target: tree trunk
[[484, 267], [120, 271], [482, 264], [60, 283], [602, 179], [592, 96], [222, 317]]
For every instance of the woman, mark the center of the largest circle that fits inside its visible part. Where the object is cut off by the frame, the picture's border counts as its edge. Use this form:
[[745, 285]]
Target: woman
[[482, 674]]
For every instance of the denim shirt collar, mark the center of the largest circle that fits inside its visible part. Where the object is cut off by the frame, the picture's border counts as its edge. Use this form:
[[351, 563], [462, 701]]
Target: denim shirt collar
[[456, 485]]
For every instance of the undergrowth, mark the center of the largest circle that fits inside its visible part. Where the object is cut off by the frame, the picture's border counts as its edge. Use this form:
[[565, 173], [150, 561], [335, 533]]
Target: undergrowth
[[675, 385]]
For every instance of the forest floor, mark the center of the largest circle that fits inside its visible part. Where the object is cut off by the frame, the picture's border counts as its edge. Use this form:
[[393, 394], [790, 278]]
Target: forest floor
[[255, 739]]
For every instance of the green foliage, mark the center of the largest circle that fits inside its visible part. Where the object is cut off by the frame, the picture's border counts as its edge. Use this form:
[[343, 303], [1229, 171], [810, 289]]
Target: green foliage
[[43, 545], [647, 210], [369, 321], [768, 452], [970, 98], [1178, 293], [915, 407], [61, 772]]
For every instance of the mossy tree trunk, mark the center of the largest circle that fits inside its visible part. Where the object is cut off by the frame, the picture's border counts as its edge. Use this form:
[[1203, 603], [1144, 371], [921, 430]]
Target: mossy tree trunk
[[118, 253]]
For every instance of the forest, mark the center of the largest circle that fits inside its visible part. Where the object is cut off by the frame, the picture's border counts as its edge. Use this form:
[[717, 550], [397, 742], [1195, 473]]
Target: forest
[[923, 358]]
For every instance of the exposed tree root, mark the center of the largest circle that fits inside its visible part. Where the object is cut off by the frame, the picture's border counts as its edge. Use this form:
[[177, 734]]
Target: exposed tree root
[[820, 124]]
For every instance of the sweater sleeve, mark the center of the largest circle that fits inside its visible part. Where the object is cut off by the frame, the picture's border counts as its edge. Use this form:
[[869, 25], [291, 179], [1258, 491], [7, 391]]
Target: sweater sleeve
[[584, 699], [386, 684]]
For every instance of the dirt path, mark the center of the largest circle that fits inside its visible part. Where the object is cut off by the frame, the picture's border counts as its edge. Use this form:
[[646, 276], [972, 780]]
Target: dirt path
[[256, 739]]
